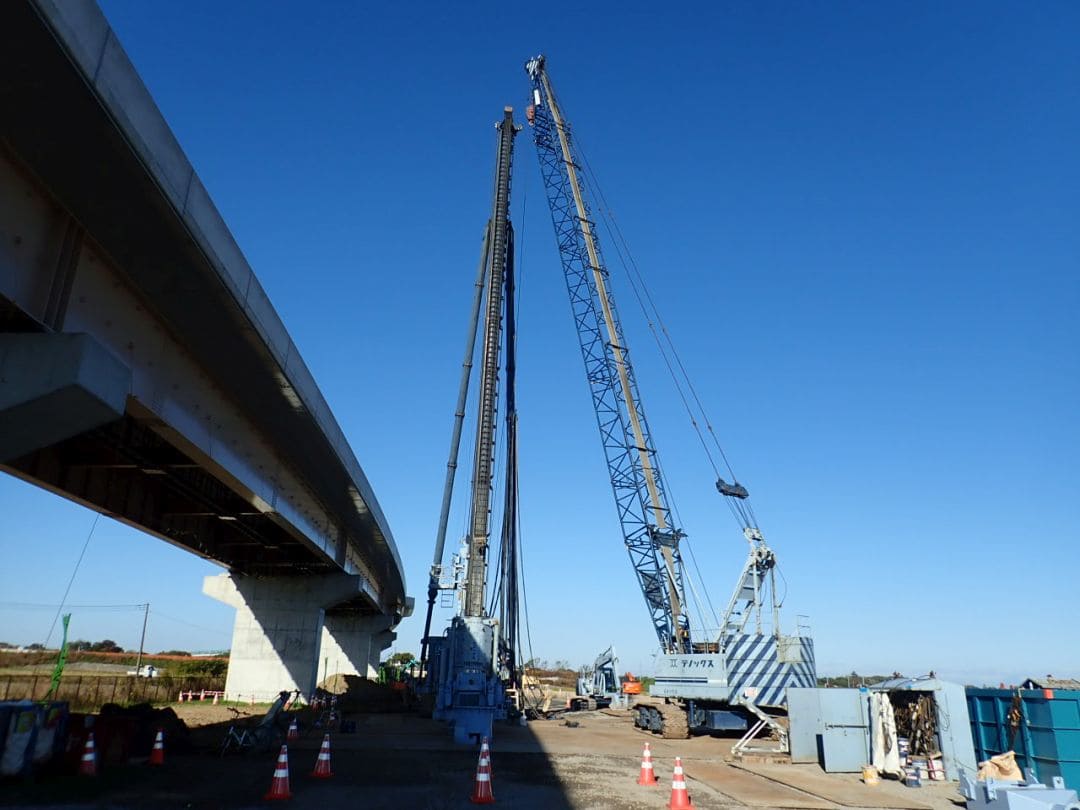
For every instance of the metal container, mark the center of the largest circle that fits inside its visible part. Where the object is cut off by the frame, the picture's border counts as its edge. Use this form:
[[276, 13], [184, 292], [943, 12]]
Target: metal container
[[1041, 725]]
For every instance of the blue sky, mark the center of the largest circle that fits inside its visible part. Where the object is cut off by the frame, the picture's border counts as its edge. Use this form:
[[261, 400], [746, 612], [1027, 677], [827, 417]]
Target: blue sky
[[859, 221]]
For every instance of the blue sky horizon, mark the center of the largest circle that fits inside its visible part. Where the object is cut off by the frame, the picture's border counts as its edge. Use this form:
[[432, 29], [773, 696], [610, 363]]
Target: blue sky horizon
[[859, 222]]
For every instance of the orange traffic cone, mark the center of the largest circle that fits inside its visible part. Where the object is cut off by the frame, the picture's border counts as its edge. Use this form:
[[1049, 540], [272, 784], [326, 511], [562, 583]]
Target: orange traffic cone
[[88, 764], [294, 731], [647, 777], [322, 764], [482, 786], [679, 797], [157, 753], [279, 787], [485, 753]]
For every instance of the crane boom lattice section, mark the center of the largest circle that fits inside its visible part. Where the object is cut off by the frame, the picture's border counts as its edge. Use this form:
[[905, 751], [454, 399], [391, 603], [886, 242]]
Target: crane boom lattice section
[[650, 536]]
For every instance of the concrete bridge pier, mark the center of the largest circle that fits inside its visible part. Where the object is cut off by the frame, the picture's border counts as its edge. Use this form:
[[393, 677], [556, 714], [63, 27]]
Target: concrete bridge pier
[[281, 628], [352, 644]]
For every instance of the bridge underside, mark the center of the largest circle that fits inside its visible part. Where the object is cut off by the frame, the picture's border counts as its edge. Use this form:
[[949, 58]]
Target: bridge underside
[[145, 374], [128, 471]]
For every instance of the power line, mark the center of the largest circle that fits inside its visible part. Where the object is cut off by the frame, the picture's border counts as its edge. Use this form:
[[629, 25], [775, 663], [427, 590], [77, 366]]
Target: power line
[[37, 606], [67, 590], [218, 630]]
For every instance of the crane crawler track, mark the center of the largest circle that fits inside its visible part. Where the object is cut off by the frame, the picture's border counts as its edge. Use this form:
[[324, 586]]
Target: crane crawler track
[[666, 719]]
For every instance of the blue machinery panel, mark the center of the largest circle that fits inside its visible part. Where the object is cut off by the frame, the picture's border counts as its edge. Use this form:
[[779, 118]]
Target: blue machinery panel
[[1041, 725]]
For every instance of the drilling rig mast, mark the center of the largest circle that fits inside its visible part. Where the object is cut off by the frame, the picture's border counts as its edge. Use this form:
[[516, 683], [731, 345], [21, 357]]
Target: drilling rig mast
[[468, 668]]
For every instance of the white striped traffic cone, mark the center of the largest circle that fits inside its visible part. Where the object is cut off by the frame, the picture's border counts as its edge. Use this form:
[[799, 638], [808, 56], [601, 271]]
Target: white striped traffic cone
[[157, 754], [680, 799], [485, 753], [88, 763], [279, 786], [482, 793], [322, 764], [648, 776]]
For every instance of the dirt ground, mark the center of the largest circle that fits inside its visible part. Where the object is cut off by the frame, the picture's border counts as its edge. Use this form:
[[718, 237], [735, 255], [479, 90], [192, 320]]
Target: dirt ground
[[399, 761]]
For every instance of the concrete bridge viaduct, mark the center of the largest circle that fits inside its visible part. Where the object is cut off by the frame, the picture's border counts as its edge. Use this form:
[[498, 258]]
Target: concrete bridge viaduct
[[145, 374]]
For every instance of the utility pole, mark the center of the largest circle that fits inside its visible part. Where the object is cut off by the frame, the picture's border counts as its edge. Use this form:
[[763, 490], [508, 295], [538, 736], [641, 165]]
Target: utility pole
[[142, 639]]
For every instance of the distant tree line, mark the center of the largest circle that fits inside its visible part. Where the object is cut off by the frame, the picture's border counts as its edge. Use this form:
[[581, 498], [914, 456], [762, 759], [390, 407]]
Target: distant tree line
[[854, 680]]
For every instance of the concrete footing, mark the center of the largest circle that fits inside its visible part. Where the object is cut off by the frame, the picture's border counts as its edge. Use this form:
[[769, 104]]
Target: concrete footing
[[284, 638]]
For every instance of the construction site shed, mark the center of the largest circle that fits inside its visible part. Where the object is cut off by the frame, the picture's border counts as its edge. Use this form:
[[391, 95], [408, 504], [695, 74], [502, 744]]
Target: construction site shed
[[1041, 725]]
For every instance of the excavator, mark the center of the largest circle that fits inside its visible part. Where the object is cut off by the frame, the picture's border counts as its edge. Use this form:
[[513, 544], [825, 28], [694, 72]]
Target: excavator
[[733, 675], [600, 685]]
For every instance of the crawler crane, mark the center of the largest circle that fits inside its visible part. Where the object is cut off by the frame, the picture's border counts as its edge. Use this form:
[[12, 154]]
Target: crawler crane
[[736, 677]]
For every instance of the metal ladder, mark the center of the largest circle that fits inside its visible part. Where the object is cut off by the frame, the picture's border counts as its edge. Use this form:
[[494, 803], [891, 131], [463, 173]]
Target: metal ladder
[[763, 721]]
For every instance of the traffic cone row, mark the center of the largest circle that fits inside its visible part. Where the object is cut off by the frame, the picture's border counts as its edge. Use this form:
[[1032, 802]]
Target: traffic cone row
[[680, 797], [279, 785], [88, 761], [482, 784]]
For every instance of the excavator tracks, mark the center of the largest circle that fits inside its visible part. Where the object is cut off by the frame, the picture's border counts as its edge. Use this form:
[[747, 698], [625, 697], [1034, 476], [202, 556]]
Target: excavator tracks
[[674, 725], [667, 719]]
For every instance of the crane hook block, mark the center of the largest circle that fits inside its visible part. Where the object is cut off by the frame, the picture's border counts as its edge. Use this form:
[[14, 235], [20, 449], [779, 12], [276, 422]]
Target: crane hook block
[[734, 490]]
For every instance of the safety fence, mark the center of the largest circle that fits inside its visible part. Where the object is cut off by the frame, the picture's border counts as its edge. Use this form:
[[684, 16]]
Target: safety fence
[[89, 693]]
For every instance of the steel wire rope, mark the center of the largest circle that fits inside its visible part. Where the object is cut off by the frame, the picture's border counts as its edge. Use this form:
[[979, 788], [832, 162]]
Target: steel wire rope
[[71, 581], [780, 602], [593, 185], [737, 513], [498, 473], [524, 594], [742, 512], [519, 276], [693, 558], [608, 217], [519, 241], [651, 326], [737, 509], [630, 264]]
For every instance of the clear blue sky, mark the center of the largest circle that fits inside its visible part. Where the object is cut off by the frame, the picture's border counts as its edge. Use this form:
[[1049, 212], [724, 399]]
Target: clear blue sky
[[859, 219]]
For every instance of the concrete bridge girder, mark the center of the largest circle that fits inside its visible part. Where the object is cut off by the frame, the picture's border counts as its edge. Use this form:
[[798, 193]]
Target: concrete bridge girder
[[168, 393], [168, 390]]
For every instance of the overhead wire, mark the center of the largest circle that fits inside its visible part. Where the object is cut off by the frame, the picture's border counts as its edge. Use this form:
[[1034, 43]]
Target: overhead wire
[[71, 580], [216, 630], [39, 606]]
